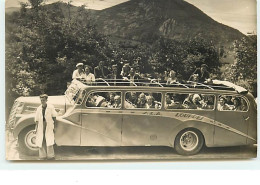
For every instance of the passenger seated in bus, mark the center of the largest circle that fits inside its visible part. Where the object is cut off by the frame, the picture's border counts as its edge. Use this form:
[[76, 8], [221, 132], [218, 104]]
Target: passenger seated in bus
[[91, 101], [187, 103], [129, 105], [243, 105], [150, 103], [169, 102], [236, 105], [222, 104], [141, 101], [132, 98], [208, 102], [111, 100], [117, 103], [196, 102], [101, 102], [96, 101], [229, 100]]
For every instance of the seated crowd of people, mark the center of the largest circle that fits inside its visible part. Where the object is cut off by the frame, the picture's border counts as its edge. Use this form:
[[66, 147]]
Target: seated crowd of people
[[110, 100], [132, 74], [113, 100], [190, 101], [143, 100], [146, 100]]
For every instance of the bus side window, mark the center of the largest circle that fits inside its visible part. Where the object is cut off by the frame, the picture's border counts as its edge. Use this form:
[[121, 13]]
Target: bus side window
[[104, 100], [143, 100], [232, 103], [172, 101], [239, 104], [189, 101]]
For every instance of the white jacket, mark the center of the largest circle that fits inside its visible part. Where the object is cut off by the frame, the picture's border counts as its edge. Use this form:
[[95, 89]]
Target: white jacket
[[49, 134]]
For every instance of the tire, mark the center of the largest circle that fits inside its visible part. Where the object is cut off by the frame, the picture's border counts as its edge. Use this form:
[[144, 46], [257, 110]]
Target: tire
[[189, 142], [26, 140]]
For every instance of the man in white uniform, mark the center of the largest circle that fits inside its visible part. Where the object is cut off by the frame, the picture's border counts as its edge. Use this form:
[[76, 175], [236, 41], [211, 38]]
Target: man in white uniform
[[45, 119]]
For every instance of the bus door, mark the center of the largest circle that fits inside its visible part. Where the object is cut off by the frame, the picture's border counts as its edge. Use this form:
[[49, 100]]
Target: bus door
[[102, 119], [231, 124], [142, 123]]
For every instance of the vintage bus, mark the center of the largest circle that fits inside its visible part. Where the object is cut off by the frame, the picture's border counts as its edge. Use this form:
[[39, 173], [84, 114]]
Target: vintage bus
[[121, 113]]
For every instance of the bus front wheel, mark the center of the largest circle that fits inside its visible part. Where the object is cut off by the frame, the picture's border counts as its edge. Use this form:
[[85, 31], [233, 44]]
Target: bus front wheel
[[189, 142], [27, 141]]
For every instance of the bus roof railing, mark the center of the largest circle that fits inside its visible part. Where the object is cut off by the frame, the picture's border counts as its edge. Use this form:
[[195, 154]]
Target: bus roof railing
[[212, 85]]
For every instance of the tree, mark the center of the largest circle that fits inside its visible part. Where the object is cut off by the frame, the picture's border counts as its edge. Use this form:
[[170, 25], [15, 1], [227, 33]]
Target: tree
[[44, 44], [243, 72], [185, 57]]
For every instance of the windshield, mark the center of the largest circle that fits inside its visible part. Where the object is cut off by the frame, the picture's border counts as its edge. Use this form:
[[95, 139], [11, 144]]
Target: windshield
[[74, 94]]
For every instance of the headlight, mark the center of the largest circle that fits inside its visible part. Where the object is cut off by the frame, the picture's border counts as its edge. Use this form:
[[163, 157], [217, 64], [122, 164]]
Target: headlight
[[30, 109]]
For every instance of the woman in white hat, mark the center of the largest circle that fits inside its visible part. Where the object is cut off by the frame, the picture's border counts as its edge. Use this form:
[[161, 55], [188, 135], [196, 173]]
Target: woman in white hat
[[79, 72]]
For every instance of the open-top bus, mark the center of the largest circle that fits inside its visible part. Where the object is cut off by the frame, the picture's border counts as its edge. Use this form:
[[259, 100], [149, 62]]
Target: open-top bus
[[121, 113]]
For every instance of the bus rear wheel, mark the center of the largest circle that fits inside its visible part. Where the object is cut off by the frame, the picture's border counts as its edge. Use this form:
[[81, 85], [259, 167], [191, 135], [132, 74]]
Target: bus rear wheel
[[189, 142], [27, 141]]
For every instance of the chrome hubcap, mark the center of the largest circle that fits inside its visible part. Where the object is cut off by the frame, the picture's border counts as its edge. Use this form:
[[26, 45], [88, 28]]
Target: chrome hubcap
[[189, 140], [30, 140]]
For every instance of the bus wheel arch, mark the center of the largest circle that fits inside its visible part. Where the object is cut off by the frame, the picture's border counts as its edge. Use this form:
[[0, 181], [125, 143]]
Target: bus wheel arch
[[27, 140], [189, 141]]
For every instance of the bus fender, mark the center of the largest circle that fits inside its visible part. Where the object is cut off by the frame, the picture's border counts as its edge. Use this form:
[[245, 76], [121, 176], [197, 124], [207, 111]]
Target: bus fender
[[22, 123], [207, 131]]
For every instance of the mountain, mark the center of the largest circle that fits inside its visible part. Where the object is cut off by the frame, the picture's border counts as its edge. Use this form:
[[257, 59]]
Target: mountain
[[146, 20]]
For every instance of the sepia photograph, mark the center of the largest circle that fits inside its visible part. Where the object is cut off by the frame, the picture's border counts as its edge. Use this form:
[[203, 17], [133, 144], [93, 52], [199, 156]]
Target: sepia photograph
[[99, 80]]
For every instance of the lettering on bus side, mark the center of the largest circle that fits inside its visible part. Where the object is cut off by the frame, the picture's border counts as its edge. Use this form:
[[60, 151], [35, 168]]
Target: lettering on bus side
[[186, 115], [152, 113]]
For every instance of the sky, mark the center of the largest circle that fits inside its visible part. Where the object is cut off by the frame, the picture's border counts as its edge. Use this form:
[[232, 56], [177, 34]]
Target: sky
[[239, 14]]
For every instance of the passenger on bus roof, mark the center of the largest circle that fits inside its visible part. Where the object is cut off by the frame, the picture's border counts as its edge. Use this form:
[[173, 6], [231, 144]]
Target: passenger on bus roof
[[79, 72], [101, 71], [125, 70], [115, 74], [202, 72], [132, 77], [172, 78], [88, 76]]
